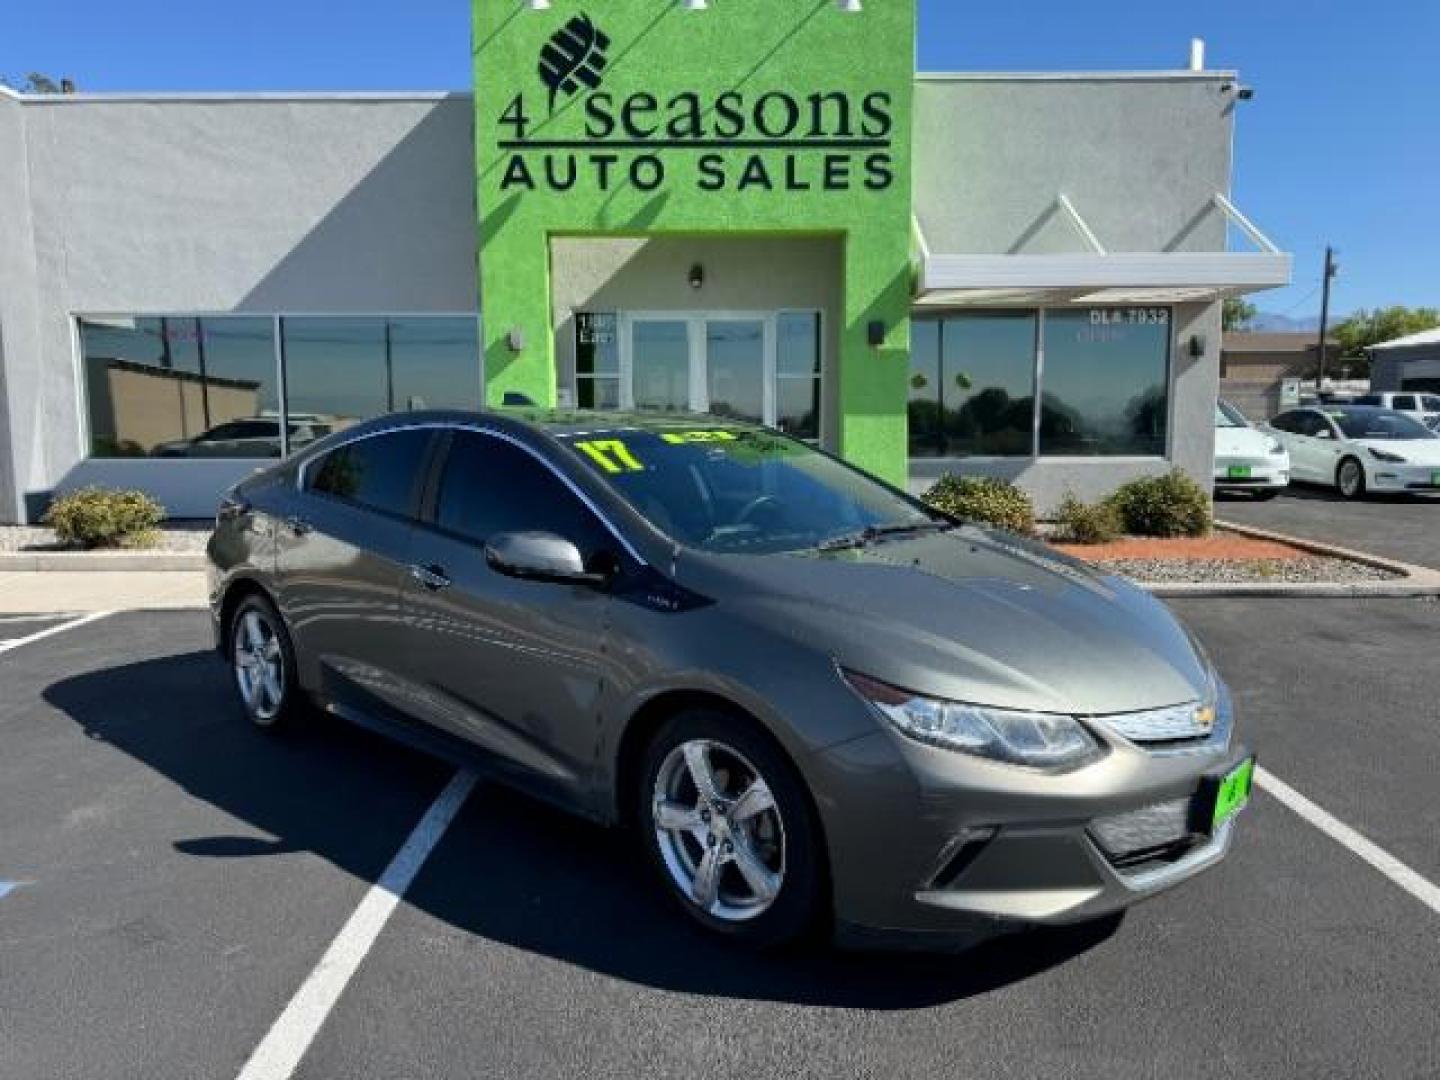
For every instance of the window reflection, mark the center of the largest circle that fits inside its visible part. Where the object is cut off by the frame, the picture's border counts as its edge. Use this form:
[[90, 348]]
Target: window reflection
[[797, 374], [735, 368], [179, 386], [1106, 378], [972, 385]]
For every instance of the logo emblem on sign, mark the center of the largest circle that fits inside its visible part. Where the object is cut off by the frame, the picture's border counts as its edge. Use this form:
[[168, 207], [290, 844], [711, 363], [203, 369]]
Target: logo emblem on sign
[[574, 56]]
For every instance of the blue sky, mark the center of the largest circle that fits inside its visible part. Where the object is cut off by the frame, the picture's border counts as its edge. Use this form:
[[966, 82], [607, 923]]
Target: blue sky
[[1341, 143]]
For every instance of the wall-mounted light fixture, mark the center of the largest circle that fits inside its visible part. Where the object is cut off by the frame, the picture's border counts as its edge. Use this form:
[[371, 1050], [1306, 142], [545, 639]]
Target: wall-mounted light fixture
[[1197, 346], [875, 332], [694, 5], [538, 5], [515, 340], [697, 276], [850, 7]]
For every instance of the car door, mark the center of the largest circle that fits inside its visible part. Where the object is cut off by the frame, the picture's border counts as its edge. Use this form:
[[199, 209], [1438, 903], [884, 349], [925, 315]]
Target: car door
[[1323, 447], [1288, 428], [341, 554], [513, 666]]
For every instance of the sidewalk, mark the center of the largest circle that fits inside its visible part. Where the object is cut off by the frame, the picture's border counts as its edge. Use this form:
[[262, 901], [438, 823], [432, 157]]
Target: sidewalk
[[26, 592]]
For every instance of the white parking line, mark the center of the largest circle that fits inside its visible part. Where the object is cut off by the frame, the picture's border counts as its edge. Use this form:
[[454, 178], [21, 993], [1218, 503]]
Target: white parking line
[[15, 643], [1425, 891], [291, 1035]]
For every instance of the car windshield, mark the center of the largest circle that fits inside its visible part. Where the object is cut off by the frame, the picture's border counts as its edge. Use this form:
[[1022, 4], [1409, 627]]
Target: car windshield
[[1379, 424], [1226, 415], [730, 489]]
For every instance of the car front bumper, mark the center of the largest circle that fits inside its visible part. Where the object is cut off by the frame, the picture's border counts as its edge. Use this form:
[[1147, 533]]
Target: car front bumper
[[929, 842], [1267, 472], [1385, 476]]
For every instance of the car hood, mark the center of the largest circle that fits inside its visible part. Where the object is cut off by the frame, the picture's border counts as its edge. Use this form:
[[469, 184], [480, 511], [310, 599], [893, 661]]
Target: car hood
[[1414, 451], [1242, 442], [968, 615]]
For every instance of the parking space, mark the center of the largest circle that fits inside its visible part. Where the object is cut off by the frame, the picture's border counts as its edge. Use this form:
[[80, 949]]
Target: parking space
[[181, 875], [1402, 527]]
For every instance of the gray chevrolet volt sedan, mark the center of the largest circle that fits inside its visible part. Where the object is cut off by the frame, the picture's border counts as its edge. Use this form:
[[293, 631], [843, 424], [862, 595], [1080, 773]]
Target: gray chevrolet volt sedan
[[818, 702]]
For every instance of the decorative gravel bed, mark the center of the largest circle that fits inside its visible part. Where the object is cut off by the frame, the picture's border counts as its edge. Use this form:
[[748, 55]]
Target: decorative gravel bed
[[1306, 569], [174, 536]]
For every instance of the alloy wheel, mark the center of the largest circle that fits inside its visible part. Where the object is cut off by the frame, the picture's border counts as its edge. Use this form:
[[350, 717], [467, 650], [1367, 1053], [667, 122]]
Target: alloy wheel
[[1351, 477], [719, 830], [259, 666]]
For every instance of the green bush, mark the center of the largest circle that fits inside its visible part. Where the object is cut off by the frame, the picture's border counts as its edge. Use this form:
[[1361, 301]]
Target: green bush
[[1088, 523], [1172, 505], [96, 517], [984, 499]]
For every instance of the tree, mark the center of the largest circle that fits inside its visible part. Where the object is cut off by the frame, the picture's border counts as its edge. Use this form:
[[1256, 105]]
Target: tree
[[1366, 328], [1238, 314], [39, 83]]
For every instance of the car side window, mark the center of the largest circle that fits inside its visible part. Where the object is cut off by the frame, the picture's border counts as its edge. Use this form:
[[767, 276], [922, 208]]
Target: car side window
[[1404, 402], [1287, 422], [491, 486], [1368, 399], [1316, 426], [1430, 403], [379, 472]]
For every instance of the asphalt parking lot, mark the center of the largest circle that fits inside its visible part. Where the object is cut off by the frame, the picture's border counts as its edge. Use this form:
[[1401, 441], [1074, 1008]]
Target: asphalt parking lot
[[170, 879], [1403, 527]]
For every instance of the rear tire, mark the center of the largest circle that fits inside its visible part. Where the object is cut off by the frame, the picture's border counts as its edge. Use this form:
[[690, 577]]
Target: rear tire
[[1350, 479], [262, 665], [728, 827]]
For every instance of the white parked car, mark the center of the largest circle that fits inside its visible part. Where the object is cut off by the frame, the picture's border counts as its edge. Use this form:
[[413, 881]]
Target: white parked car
[[1247, 459], [1359, 448], [1423, 407]]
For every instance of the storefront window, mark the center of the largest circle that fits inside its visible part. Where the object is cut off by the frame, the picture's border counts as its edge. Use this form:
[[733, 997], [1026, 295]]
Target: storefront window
[[180, 386], [797, 374], [208, 386], [972, 385], [339, 371], [1105, 382]]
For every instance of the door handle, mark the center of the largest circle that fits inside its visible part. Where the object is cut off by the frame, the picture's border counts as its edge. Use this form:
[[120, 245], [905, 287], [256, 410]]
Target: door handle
[[298, 526], [431, 577]]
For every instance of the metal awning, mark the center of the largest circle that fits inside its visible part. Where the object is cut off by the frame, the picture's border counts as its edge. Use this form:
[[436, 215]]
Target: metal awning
[[1097, 276]]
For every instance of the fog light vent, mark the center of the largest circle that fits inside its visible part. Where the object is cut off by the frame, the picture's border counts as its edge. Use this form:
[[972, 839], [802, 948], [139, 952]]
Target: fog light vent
[[1151, 827]]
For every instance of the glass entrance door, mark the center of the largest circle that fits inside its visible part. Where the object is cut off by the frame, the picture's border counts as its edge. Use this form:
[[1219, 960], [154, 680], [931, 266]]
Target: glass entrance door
[[716, 362]]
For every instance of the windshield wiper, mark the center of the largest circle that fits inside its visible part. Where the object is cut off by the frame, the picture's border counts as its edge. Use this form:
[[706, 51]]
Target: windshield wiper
[[876, 532]]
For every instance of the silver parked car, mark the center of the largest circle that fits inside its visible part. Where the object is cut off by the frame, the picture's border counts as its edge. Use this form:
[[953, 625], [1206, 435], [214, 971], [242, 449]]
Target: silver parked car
[[815, 699]]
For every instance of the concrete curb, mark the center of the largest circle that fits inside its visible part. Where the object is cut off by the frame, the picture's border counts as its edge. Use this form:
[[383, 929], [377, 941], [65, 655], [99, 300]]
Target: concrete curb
[[14, 562], [1414, 580]]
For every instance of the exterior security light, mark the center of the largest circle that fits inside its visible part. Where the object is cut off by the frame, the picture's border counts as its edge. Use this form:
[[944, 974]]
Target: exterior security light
[[515, 340], [850, 7], [695, 5], [697, 276], [538, 5], [875, 333]]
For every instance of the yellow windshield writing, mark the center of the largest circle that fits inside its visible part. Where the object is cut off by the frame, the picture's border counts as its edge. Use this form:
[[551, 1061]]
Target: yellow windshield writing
[[612, 455], [681, 438]]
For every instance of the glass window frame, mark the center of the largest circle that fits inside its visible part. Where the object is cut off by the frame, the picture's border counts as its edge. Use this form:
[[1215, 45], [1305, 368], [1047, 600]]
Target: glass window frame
[[276, 319], [939, 316]]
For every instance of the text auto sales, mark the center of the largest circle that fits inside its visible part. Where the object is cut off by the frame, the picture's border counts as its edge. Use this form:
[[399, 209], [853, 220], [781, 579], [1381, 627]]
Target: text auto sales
[[774, 142]]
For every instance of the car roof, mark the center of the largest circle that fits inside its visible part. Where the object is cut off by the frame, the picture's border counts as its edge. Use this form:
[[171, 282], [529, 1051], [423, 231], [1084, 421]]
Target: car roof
[[556, 422]]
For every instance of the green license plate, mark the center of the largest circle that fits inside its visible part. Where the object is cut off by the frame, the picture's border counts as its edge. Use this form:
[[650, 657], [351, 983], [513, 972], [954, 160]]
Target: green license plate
[[1234, 792], [1239, 472]]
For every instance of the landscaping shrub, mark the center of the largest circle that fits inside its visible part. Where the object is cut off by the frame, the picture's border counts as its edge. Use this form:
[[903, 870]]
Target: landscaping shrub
[[1088, 523], [984, 499], [96, 517], [1171, 505]]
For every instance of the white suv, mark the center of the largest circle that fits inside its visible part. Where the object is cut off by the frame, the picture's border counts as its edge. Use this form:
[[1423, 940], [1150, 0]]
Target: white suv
[[1423, 407]]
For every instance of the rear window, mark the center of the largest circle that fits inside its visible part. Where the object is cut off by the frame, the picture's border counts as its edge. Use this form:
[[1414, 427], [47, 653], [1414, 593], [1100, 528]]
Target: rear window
[[379, 472]]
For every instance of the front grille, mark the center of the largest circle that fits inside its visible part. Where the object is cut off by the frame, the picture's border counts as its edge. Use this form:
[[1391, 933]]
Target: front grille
[[1142, 835], [1175, 723]]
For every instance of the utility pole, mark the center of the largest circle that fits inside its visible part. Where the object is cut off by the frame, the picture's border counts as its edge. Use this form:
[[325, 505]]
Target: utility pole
[[1331, 269]]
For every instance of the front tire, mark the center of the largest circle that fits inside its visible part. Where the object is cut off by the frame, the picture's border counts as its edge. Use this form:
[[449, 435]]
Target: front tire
[[262, 662], [728, 826], [1350, 479]]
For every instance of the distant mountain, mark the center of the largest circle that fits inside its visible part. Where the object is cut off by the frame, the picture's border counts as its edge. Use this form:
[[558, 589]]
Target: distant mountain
[[1284, 324]]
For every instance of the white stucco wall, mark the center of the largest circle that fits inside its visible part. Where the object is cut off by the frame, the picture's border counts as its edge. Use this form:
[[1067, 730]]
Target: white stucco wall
[[293, 204]]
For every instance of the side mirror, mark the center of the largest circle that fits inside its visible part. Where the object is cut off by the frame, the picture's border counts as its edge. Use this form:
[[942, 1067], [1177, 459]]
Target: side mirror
[[539, 556], [1324, 433]]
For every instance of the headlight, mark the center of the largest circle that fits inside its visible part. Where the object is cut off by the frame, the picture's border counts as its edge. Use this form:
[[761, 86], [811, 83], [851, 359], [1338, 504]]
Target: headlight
[[1386, 455], [1037, 740], [1275, 447]]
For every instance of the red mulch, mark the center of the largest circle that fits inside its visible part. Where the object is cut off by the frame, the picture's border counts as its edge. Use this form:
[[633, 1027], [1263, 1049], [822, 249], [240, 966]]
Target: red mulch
[[1222, 545]]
